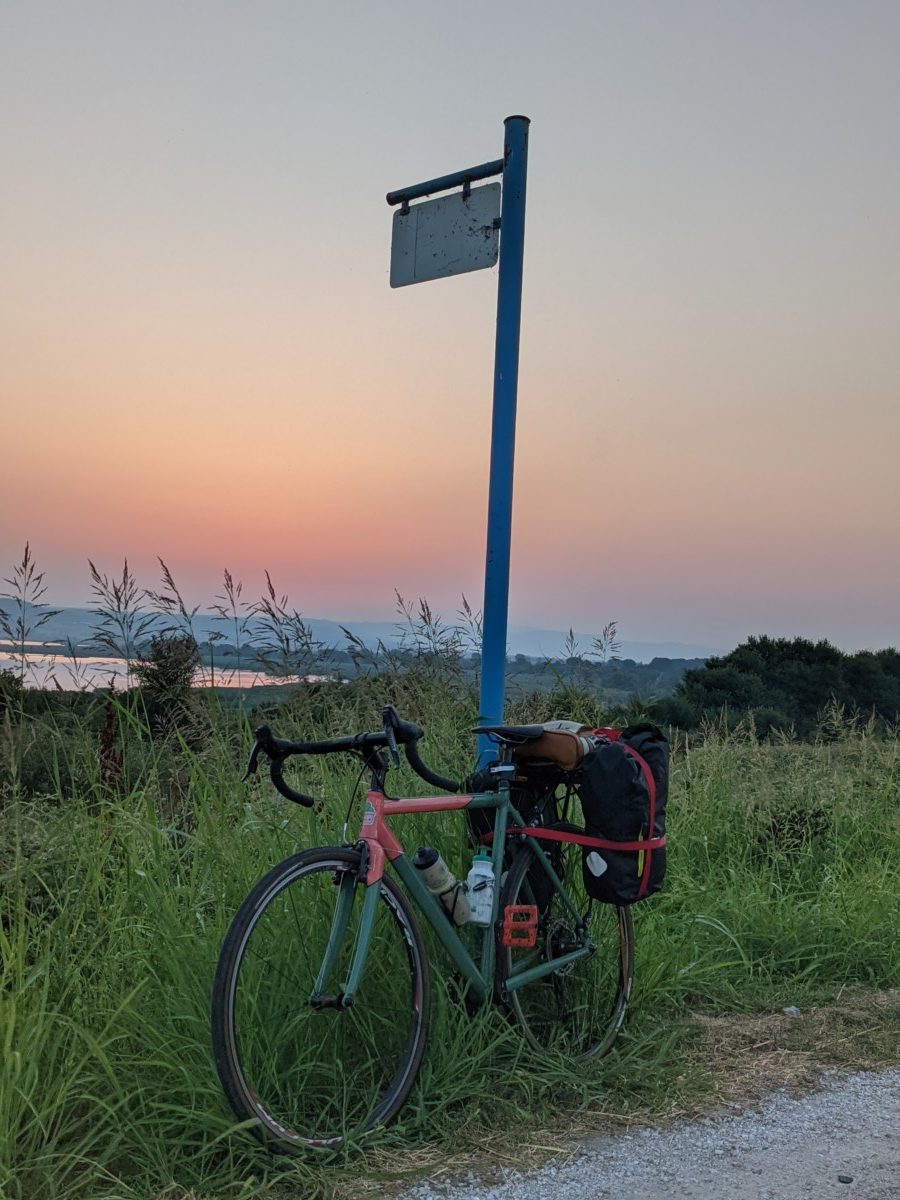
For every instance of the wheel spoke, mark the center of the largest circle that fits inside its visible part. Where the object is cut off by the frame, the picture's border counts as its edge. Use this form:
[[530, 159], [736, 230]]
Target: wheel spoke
[[309, 1072], [577, 1010]]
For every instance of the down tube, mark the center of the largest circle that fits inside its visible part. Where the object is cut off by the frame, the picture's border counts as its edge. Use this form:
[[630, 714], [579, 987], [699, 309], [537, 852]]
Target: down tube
[[441, 924]]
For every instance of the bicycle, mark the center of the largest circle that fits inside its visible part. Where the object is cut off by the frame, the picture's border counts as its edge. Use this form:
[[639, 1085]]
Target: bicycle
[[321, 994]]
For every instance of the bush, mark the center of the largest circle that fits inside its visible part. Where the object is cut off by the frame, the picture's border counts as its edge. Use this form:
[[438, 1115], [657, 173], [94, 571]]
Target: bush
[[165, 674], [784, 683]]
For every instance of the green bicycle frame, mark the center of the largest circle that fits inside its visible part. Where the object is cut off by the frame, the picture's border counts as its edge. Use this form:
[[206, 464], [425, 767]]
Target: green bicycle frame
[[381, 843]]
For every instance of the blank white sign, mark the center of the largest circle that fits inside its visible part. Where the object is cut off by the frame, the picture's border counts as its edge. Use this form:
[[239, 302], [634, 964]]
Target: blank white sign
[[446, 236]]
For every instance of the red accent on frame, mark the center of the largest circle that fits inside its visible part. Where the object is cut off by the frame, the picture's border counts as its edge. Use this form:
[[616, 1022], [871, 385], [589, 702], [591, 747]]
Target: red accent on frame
[[375, 871], [425, 804], [378, 835]]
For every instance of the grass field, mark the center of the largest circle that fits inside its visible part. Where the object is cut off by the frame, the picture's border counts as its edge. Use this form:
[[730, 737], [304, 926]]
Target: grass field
[[782, 890]]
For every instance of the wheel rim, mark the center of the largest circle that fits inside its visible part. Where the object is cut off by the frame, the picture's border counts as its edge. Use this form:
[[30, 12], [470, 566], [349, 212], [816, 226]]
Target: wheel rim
[[310, 1075], [577, 1010]]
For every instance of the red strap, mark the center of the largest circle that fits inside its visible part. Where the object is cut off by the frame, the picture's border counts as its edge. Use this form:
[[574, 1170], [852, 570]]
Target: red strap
[[613, 735], [647, 845], [582, 839], [651, 788]]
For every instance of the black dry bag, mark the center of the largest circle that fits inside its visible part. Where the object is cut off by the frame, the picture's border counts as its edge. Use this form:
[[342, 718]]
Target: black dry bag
[[624, 784]]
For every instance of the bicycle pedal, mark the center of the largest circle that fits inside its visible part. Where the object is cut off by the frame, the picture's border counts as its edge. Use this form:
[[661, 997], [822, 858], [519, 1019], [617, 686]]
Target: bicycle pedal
[[520, 923]]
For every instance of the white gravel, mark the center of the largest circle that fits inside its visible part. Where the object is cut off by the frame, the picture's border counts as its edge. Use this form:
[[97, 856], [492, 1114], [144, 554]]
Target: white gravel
[[842, 1142]]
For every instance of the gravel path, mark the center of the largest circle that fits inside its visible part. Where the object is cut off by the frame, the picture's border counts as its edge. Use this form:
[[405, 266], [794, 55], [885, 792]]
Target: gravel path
[[843, 1141]]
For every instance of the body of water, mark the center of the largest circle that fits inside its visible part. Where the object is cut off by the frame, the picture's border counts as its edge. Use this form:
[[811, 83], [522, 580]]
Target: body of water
[[57, 669]]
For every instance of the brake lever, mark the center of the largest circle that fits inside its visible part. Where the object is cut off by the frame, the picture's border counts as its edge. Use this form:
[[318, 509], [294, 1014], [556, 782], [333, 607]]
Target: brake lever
[[253, 762], [264, 741], [392, 743]]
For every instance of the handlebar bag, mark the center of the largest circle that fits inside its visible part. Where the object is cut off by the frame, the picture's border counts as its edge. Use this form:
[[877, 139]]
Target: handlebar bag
[[623, 786]]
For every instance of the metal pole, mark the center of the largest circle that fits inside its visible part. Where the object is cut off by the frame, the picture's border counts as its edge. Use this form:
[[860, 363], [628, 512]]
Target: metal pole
[[503, 430]]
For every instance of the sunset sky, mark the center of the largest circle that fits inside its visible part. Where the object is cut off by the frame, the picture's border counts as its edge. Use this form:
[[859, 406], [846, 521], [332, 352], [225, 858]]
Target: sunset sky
[[201, 358]]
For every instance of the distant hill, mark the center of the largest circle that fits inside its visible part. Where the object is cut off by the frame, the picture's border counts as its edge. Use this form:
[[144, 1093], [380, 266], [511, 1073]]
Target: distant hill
[[550, 643], [77, 624]]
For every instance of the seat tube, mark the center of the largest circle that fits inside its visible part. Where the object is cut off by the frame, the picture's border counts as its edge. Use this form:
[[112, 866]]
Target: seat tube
[[339, 922], [363, 941], [489, 945]]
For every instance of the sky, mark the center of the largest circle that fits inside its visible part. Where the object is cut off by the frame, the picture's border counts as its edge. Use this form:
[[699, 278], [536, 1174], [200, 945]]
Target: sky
[[201, 357]]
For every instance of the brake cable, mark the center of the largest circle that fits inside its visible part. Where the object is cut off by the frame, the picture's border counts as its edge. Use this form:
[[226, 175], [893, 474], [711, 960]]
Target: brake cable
[[362, 771]]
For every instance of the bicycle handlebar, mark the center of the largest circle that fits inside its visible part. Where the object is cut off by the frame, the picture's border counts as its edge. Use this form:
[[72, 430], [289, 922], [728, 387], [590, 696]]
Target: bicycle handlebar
[[396, 732], [438, 781]]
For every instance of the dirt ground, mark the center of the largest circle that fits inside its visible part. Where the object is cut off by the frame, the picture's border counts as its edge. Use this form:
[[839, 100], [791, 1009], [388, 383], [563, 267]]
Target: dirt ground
[[799, 1106]]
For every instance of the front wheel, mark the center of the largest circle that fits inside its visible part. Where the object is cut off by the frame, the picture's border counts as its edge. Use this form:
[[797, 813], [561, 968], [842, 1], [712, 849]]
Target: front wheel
[[578, 1009], [308, 1073]]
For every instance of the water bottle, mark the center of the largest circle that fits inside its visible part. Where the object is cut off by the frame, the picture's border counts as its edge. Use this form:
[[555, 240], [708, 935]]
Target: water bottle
[[480, 888], [441, 882]]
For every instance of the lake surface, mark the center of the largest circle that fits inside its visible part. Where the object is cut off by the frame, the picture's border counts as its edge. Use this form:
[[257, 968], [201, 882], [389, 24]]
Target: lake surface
[[61, 670]]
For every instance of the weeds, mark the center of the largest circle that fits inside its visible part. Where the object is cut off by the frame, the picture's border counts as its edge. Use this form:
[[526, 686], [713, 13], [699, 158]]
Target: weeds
[[29, 612], [124, 856], [283, 642], [780, 892], [235, 614], [124, 623]]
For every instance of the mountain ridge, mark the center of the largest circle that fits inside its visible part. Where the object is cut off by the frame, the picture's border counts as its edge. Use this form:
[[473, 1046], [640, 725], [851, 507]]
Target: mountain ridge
[[79, 624]]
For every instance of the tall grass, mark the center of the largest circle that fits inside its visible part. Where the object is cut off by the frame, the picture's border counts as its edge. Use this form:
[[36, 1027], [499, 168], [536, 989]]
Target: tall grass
[[27, 612], [782, 890]]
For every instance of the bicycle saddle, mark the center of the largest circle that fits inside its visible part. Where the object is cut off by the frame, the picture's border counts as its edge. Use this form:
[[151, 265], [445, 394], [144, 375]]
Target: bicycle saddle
[[513, 735]]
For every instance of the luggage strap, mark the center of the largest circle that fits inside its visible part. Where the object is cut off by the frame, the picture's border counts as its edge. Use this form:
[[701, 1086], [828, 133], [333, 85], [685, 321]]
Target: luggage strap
[[644, 846], [650, 844], [582, 839]]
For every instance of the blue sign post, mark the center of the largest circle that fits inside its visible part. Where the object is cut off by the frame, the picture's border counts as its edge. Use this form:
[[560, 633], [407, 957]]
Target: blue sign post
[[513, 167]]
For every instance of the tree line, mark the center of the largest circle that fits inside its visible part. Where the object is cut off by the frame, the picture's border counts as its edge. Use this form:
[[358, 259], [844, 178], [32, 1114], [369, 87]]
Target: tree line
[[786, 684]]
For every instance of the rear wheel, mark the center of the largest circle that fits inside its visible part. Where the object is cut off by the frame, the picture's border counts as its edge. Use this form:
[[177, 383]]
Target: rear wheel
[[578, 1009], [310, 1074]]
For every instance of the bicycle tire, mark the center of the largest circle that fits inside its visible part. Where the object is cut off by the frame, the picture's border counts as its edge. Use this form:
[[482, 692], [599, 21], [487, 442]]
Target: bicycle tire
[[313, 1077], [578, 1010]]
